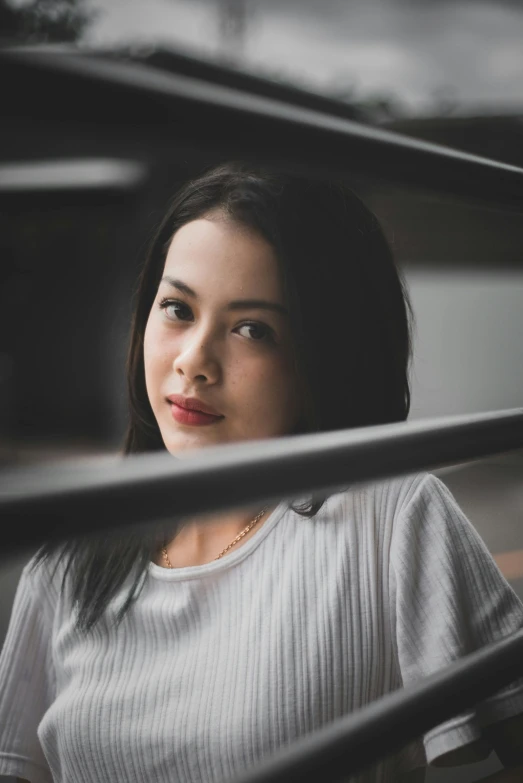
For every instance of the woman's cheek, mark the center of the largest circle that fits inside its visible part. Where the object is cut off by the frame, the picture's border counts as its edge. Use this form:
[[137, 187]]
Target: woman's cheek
[[157, 360], [269, 385], [159, 345]]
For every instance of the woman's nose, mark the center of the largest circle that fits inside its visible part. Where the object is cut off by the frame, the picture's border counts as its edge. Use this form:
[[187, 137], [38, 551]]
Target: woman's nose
[[198, 358]]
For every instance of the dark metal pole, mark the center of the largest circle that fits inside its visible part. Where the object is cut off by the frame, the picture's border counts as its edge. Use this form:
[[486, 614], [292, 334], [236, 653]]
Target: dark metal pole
[[165, 108], [362, 738], [49, 503]]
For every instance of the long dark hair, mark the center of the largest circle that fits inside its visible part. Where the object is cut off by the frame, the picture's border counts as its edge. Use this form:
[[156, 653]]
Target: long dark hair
[[350, 320]]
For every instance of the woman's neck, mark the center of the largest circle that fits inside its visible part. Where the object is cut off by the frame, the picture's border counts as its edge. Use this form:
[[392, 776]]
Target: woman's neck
[[200, 540]]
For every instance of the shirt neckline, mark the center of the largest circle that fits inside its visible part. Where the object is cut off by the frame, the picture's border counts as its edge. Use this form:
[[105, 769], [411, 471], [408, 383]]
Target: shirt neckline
[[225, 562]]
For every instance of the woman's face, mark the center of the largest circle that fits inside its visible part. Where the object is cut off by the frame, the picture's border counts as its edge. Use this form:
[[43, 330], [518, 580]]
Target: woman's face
[[219, 333]]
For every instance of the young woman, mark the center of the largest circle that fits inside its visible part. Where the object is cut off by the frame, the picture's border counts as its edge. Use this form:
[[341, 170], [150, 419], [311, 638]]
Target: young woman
[[269, 305]]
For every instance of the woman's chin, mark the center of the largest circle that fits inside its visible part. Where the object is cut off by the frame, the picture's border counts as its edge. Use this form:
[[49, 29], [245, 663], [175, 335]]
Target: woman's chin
[[184, 446]]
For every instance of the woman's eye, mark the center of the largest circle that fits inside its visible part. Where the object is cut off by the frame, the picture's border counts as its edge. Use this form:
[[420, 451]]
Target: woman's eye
[[255, 331], [174, 310]]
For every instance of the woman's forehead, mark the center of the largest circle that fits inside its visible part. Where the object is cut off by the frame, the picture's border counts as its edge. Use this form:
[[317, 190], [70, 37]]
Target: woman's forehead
[[207, 253]]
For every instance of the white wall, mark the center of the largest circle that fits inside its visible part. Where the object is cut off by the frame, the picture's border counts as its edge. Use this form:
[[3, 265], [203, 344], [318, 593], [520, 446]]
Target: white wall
[[468, 341]]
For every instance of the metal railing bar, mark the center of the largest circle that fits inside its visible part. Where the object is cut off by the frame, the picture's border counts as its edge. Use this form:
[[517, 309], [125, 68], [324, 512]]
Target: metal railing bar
[[362, 738], [71, 499], [181, 109], [200, 67], [168, 60]]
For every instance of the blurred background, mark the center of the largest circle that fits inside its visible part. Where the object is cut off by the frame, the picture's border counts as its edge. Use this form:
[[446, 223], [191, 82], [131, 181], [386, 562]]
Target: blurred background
[[78, 203]]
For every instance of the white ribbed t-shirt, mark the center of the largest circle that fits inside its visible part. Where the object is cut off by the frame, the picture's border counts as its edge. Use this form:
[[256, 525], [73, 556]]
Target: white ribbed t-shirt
[[217, 666]]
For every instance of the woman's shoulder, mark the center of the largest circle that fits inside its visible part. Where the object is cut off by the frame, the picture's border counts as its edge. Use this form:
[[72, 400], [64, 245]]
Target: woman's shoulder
[[41, 580], [387, 498]]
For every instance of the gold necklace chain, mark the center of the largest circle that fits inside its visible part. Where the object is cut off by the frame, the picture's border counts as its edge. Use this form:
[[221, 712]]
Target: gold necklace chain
[[222, 553]]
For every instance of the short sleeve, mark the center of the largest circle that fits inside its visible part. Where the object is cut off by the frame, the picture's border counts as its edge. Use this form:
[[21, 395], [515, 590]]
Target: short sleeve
[[448, 600], [26, 680]]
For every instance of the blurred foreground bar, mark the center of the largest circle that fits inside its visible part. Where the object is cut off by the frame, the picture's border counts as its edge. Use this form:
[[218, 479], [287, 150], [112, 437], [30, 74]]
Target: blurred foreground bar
[[66, 500], [361, 739]]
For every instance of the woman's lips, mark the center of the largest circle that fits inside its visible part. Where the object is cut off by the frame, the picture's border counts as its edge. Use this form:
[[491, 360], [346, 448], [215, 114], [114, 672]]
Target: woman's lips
[[194, 418]]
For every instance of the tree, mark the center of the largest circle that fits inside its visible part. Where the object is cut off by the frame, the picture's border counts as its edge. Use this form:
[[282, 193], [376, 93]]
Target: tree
[[233, 20], [43, 21]]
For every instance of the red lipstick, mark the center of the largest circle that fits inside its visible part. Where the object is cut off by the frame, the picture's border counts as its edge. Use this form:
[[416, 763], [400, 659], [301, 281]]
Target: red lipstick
[[190, 410]]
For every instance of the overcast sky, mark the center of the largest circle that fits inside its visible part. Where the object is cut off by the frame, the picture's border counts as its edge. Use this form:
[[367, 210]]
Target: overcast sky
[[420, 51]]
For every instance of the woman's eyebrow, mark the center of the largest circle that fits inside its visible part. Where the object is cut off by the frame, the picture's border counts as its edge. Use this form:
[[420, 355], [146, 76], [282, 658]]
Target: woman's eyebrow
[[257, 304], [180, 286], [240, 304]]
